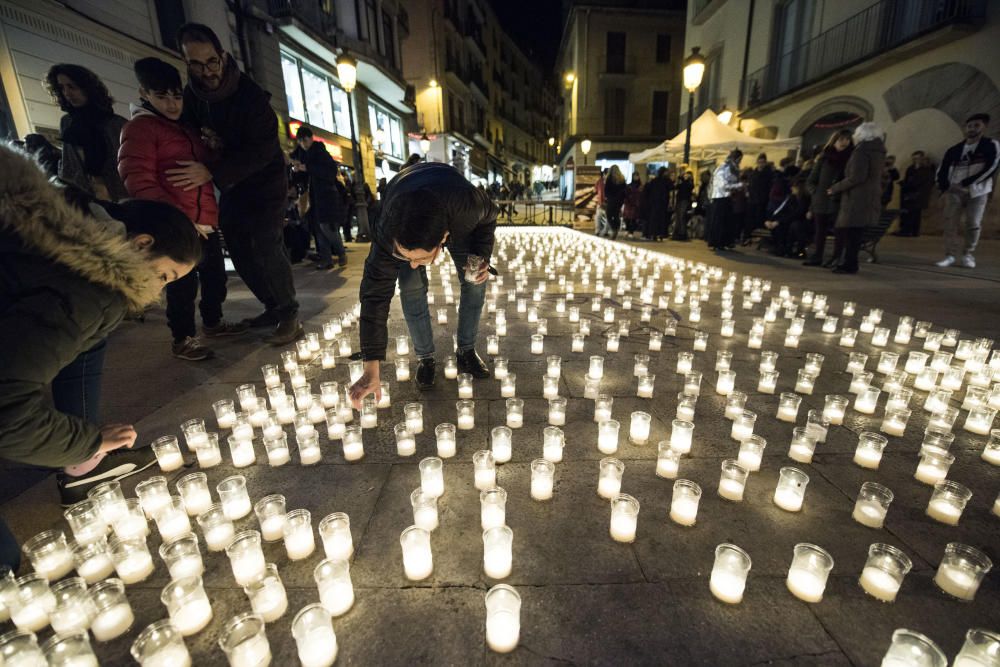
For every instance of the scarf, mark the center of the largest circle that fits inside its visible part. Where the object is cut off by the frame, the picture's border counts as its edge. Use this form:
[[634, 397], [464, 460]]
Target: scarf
[[838, 158], [230, 82], [85, 130]]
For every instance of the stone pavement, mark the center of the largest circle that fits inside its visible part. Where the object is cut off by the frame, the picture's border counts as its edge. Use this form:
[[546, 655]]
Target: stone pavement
[[585, 598]]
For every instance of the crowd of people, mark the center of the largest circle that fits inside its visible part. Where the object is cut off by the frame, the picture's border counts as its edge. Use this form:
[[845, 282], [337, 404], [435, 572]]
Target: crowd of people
[[841, 188]]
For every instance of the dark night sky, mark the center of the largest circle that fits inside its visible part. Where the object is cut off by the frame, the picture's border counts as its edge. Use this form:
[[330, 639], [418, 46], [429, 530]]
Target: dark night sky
[[536, 25]]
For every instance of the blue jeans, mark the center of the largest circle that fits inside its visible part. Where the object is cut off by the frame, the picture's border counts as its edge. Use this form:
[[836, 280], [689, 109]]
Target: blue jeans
[[413, 295], [76, 390], [328, 242]]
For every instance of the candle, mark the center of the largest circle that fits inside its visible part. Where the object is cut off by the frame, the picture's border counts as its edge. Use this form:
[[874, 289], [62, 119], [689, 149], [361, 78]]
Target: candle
[[187, 605], [609, 482], [803, 445], [300, 541], [168, 453], [624, 518], [596, 369], [112, 622], [217, 529], [336, 591], [492, 508], [414, 413], [418, 563], [788, 407], [508, 386], [725, 382], [948, 502], [808, 573], [466, 415], [884, 571], [639, 428], [485, 469], [732, 481], [684, 504], [268, 597], [425, 512], [868, 453], [557, 411], [729, 573], [743, 426], [791, 489], [735, 403], [335, 531], [607, 436], [542, 479], [246, 557], [751, 453], [498, 552], [980, 420], [933, 466], [684, 360], [354, 446], [406, 445], [961, 571], [271, 514], [503, 625]]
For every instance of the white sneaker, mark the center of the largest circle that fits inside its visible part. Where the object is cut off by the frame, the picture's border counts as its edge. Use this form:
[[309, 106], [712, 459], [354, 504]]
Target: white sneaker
[[946, 262], [967, 262]]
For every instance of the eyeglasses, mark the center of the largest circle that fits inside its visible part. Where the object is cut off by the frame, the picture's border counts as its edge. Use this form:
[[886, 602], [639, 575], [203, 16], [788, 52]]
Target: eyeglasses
[[213, 65]]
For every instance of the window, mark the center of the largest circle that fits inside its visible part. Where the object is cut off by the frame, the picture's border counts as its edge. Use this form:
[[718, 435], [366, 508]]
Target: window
[[170, 17], [662, 48], [615, 52], [293, 87], [792, 28], [372, 22], [341, 112], [661, 100], [390, 129], [389, 39], [614, 111], [319, 109]]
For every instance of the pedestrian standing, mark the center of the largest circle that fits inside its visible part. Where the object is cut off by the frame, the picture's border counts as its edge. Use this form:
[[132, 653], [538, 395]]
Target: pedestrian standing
[[600, 213], [153, 141], [426, 208], [827, 170], [965, 179], [915, 193], [614, 200], [757, 195], [685, 193], [656, 196], [327, 198], [861, 193], [90, 131], [630, 209], [235, 116], [889, 177], [725, 181]]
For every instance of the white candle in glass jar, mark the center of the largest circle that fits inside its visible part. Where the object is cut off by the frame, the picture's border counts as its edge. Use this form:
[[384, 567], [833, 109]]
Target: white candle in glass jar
[[731, 489], [609, 486], [805, 584], [945, 511], [191, 618], [879, 584], [623, 527], [112, 622], [270, 602], [869, 513], [684, 510], [136, 567], [220, 536], [272, 528], [727, 586], [955, 581]]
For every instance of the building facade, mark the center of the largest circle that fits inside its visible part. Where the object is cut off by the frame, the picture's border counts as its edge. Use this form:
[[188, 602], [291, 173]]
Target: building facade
[[483, 104], [620, 63], [802, 68], [287, 46]]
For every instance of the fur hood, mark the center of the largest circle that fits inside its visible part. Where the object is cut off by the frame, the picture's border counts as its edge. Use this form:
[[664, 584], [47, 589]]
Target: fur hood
[[868, 132], [33, 209]]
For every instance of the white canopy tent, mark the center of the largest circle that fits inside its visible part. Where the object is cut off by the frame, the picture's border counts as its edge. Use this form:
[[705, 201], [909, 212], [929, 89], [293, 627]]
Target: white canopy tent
[[710, 139]]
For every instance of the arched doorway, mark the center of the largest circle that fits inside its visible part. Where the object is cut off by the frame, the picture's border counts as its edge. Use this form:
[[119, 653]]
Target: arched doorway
[[830, 115], [820, 130]]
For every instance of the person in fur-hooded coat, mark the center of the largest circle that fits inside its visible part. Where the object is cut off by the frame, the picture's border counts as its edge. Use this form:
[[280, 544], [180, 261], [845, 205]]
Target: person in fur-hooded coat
[[66, 281]]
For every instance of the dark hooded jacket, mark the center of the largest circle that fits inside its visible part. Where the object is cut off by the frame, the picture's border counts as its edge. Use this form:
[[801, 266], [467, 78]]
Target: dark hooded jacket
[[66, 280], [327, 197], [861, 188], [472, 219]]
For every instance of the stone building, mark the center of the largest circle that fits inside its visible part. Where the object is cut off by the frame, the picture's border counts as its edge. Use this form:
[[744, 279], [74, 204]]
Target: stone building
[[804, 68]]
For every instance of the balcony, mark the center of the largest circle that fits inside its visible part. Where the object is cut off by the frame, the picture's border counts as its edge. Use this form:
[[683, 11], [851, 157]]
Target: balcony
[[456, 73], [309, 12], [873, 38], [477, 84], [474, 38]]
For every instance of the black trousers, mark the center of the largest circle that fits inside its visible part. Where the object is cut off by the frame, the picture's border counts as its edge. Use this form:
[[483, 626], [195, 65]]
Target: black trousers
[[822, 222], [849, 239], [614, 221], [680, 232], [909, 220], [257, 247], [720, 222], [210, 274]]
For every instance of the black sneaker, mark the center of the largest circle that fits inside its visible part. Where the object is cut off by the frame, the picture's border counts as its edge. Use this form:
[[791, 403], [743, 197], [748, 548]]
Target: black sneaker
[[470, 362], [342, 261], [265, 319], [191, 349], [425, 374], [224, 328], [116, 466], [286, 332]]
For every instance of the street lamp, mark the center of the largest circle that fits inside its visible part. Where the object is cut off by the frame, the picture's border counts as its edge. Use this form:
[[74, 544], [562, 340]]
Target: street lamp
[[425, 144], [585, 148], [552, 141], [347, 72], [725, 116], [694, 69]]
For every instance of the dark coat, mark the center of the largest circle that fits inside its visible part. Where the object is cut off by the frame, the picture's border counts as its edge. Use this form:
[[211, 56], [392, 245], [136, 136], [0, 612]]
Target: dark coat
[[915, 190], [861, 201], [760, 185], [66, 280], [614, 196], [249, 168], [472, 221], [327, 197], [633, 193], [71, 166], [825, 172], [657, 195]]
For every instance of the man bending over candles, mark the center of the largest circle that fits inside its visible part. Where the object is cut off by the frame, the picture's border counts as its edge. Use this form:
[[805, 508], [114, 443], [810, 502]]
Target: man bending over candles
[[425, 208]]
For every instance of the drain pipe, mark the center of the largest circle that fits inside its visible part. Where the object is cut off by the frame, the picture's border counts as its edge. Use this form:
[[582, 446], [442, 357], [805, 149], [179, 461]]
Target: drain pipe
[[746, 55]]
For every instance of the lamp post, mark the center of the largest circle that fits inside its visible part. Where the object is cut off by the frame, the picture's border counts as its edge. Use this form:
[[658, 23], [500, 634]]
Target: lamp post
[[694, 69], [347, 72], [585, 148]]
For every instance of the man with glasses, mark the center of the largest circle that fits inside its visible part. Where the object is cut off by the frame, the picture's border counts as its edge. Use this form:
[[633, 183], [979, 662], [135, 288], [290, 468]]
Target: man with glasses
[[237, 122], [426, 207]]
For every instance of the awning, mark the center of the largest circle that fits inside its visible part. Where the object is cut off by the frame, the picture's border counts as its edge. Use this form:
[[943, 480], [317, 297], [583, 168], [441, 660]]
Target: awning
[[710, 138]]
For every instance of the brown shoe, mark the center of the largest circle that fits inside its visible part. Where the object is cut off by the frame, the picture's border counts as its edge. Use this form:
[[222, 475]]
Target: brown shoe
[[286, 332], [190, 349], [224, 328]]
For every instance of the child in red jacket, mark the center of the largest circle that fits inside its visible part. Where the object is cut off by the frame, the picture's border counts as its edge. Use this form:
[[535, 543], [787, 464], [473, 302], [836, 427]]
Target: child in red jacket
[[152, 142]]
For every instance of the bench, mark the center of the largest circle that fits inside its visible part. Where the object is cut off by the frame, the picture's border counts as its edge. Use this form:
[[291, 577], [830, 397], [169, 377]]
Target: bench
[[869, 241]]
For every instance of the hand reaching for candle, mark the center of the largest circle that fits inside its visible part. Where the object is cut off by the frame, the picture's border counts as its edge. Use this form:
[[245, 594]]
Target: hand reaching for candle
[[116, 436], [368, 383]]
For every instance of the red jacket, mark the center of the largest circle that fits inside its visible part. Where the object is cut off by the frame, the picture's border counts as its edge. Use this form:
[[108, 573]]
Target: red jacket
[[152, 144]]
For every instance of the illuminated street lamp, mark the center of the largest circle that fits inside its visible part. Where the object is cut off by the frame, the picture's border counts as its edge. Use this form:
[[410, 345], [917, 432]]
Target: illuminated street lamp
[[347, 72], [725, 116], [570, 78], [585, 148], [552, 141], [694, 70]]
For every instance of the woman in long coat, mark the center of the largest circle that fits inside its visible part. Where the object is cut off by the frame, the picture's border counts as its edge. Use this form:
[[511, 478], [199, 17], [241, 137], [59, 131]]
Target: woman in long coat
[[861, 193], [828, 169]]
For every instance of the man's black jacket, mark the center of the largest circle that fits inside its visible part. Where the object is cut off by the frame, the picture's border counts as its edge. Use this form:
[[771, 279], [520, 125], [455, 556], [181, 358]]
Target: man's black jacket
[[327, 197], [472, 219]]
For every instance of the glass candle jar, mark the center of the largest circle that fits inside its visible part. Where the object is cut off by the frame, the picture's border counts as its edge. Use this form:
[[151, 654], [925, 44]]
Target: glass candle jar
[[591, 387], [208, 453], [655, 341], [168, 453], [335, 532], [684, 362], [246, 558], [216, 528], [962, 570], [193, 490], [788, 407], [268, 598], [550, 387], [187, 605], [466, 414], [557, 411], [743, 426], [93, 562], [508, 386], [943, 420], [912, 648], [500, 368], [225, 413], [425, 511], [692, 383], [803, 445], [751, 452], [271, 514], [596, 368], [234, 498], [493, 345], [484, 465], [624, 518], [432, 476], [848, 336], [868, 453], [607, 436], [639, 428], [354, 443], [553, 441], [735, 404], [609, 481], [160, 644], [684, 503], [866, 400], [894, 422], [729, 573], [933, 466], [537, 343], [182, 557], [991, 452], [418, 563], [725, 382], [810, 569], [791, 489], [732, 480], [244, 641], [444, 435], [336, 590], [980, 420], [110, 500], [132, 559], [49, 554], [114, 615], [515, 413], [948, 502], [74, 611], [414, 415], [603, 405], [681, 435], [542, 479], [981, 647], [503, 618], [884, 572], [767, 382], [492, 508], [667, 460], [300, 541], [498, 552]]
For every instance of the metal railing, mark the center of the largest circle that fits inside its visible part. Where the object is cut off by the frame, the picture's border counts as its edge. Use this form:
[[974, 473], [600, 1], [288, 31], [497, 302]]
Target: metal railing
[[885, 25], [308, 11], [535, 211]]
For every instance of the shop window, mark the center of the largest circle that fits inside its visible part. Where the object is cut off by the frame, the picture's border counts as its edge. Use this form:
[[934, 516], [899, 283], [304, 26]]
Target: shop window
[[318, 105]]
